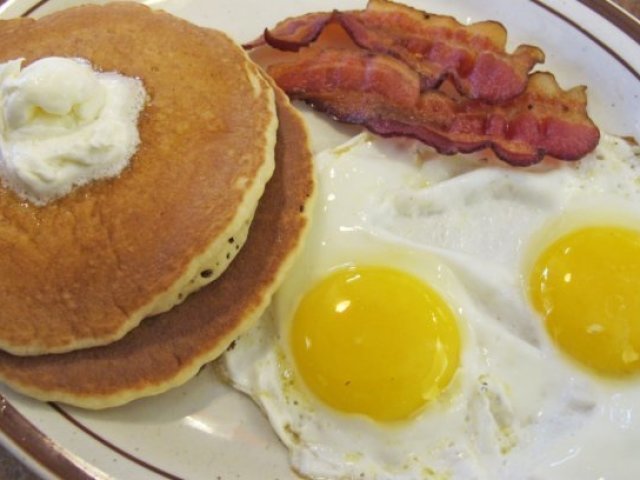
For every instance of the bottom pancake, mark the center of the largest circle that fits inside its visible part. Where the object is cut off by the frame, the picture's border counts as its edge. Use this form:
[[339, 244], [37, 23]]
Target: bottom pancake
[[167, 350]]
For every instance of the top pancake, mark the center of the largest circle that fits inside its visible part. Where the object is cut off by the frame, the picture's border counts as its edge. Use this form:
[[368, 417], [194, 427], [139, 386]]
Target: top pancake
[[166, 350], [85, 269]]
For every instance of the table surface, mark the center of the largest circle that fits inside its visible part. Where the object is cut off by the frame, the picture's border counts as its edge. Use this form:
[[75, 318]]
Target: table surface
[[11, 468]]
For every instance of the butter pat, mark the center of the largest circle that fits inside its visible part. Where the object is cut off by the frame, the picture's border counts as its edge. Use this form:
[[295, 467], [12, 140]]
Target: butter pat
[[62, 125]]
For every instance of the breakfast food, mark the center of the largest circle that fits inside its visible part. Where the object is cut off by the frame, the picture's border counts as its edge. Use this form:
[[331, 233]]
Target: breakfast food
[[85, 269], [584, 283], [344, 384], [435, 46], [65, 125], [403, 343], [391, 80], [167, 350]]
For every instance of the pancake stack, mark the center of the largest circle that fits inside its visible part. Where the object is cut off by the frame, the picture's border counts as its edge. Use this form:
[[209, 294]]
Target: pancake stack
[[125, 287]]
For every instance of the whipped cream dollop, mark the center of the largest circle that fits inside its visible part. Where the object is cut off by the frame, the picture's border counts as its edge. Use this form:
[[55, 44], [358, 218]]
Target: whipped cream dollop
[[63, 124]]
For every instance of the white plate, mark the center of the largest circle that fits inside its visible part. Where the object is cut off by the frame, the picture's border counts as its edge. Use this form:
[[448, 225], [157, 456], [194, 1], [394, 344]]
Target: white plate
[[204, 429]]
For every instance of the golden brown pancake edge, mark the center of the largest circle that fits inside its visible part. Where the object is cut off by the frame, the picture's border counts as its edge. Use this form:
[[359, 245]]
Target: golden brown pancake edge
[[84, 270], [167, 350]]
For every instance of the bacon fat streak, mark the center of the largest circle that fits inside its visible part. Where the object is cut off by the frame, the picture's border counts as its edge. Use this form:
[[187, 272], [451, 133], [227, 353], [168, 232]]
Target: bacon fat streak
[[394, 83]]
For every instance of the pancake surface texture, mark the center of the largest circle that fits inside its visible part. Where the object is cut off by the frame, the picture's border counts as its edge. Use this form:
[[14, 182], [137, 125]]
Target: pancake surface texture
[[86, 269], [167, 350]]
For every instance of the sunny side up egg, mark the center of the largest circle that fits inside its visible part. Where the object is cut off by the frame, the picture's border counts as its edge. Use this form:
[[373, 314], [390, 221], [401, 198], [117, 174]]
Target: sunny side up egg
[[586, 285], [426, 331]]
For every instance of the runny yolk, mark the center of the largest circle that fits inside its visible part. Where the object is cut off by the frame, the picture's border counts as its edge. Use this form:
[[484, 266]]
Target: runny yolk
[[587, 287], [375, 341]]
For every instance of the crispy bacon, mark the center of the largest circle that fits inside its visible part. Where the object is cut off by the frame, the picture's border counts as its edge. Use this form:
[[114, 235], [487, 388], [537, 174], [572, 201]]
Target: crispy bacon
[[293, 33], [435, 46], [287, 35], [384, 94]]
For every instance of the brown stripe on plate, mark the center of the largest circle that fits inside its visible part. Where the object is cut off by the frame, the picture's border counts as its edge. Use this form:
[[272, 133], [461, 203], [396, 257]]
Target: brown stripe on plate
[[38, 446], [626, 22], [608, 11], [67, 416], [31, 9], [42, 449], [34, 8]]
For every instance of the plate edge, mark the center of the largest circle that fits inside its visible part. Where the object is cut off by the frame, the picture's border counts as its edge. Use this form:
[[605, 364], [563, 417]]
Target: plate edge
[[39, 447]]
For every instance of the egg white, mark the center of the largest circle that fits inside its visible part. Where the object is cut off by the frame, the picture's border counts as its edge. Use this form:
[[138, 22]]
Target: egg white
[[515, 408], [488, 222]]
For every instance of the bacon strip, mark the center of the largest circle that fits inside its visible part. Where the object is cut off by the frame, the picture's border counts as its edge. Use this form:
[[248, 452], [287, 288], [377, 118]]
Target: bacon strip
[[384, 94], [293, 33], [435, 46]]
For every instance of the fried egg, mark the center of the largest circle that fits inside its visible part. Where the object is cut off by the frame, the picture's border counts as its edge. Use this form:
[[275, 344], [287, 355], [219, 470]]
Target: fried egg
[[410, 339], [584, 282]]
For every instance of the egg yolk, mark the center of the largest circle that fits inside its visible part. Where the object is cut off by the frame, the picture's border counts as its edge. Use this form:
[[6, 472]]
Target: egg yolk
[[375, 341], [587, 287]]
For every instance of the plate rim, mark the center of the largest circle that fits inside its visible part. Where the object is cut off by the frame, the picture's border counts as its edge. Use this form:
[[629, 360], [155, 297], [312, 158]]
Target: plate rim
[[42, 455]]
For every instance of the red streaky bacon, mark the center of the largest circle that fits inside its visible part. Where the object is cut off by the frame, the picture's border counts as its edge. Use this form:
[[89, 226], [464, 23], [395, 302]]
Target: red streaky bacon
[[435, 46], [336, 72], [438, 46], [384, 94]]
